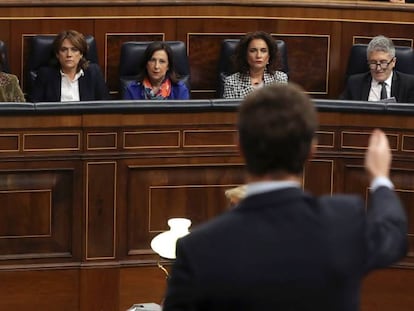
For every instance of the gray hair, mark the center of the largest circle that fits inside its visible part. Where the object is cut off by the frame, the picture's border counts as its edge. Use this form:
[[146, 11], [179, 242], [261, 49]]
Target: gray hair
[[382, 44]]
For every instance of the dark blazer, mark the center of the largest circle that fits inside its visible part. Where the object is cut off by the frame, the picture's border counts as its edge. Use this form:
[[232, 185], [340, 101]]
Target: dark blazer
[[359, 85], [47, 86], [286, 250]]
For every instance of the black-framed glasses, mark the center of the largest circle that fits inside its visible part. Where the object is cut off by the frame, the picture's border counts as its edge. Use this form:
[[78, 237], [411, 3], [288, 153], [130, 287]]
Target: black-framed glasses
[[383, 64]]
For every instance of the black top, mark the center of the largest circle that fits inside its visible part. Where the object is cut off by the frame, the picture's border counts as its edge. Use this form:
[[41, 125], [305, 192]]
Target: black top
[[48, 84]]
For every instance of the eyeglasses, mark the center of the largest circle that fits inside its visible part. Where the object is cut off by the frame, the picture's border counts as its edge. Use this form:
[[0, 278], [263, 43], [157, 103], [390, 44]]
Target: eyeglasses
[[383, 64]]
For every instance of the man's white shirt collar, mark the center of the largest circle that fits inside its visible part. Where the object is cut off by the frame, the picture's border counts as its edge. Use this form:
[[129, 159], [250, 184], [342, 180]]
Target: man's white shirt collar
[[77, 76], [266, 186]]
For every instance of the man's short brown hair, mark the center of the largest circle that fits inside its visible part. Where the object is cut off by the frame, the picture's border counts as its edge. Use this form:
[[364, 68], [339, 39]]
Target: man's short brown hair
[[276, 126]]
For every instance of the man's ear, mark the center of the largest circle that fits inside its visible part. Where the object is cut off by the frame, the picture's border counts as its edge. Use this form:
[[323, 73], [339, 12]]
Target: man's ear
[[313, 148]]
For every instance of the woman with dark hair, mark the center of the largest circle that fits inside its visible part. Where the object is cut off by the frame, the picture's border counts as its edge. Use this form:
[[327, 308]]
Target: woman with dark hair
[[256, 64], [10, 90], [157, 78], [74, 78]]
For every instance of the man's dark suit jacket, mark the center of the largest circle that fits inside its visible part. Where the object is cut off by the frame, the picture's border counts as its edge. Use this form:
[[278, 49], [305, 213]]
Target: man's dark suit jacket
[[48, 85], [359, 85], [286, 250]]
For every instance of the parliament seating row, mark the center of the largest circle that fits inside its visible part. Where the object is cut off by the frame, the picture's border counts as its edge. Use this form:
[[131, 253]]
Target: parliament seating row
[[199, 105], [41, 54], [132, 52]]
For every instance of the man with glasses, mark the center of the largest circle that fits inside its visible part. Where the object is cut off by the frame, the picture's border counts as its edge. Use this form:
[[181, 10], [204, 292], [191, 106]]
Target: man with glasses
[[382, 81]]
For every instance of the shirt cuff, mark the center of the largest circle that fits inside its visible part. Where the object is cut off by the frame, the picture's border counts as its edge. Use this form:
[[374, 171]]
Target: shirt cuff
[[381, 181]]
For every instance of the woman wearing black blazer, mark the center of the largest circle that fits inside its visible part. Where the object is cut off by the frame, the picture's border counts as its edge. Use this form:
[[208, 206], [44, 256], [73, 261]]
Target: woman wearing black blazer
[[74, 78]]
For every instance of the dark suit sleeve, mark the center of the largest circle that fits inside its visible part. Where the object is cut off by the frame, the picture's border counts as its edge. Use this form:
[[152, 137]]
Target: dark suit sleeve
[[386, 229], [180, 291], [347, 93], [38, 93], [100, 88], [357, 87]]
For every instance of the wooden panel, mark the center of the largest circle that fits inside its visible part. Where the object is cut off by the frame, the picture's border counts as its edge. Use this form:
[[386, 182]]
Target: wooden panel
[[51, 142], [324, 170], [9, 142], [100, 289], [407, 143], [204, 54], [146, 284], [387, 290], [192, 191], [325, 139], [313, 53], [210, 138], [100, 210], [152, 139], [308, 56], [101, 141], [21, 124], [45, 290], [160, 207], [354, 178], [397, 41], [36, 214], [19, 206], [359, 140]]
